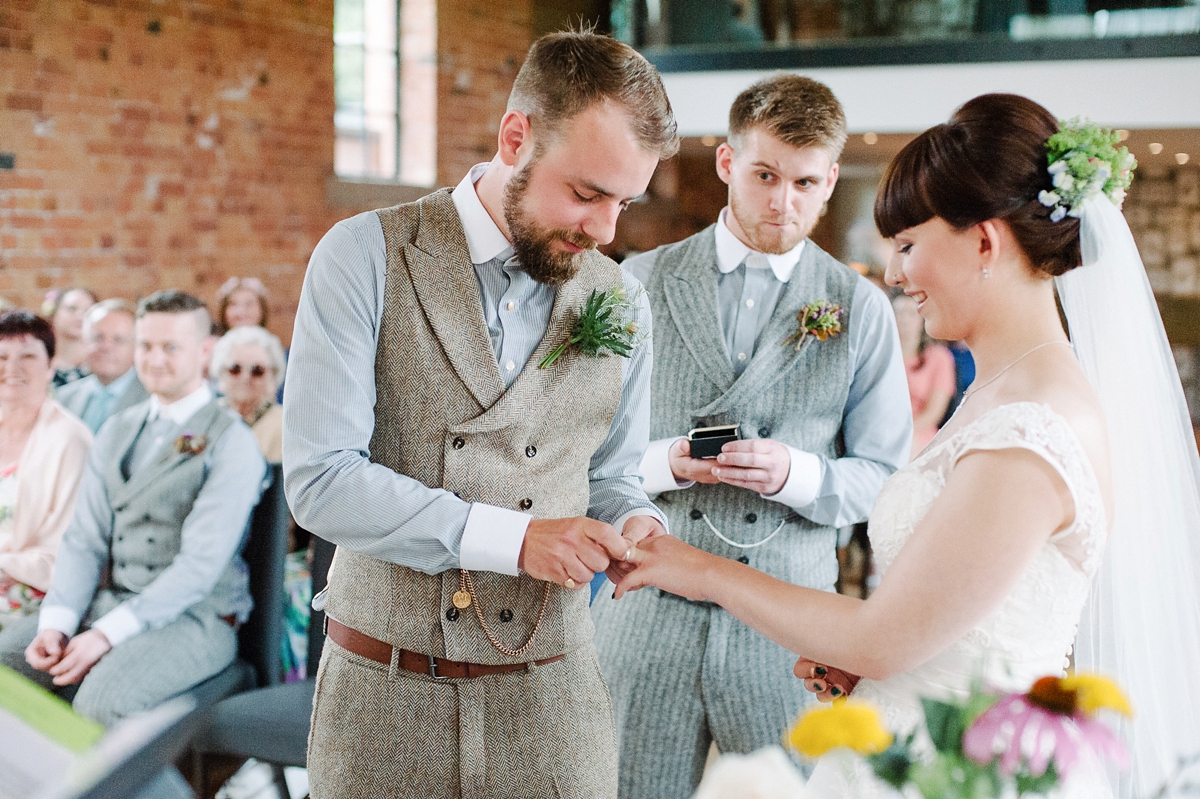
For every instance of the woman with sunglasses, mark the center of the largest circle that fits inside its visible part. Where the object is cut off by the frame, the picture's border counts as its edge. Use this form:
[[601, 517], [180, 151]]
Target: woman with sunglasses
[[248, 365]]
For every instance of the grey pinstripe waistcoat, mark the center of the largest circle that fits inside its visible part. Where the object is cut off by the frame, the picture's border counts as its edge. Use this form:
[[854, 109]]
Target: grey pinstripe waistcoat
[[797, 398], [443, 416]]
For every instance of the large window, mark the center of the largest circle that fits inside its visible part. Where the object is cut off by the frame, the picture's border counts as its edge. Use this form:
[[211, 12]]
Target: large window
[[385, 85]]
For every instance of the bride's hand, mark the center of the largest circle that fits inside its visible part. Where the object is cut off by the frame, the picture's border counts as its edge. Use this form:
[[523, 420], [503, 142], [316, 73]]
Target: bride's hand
[[666, 562], [826, 682]]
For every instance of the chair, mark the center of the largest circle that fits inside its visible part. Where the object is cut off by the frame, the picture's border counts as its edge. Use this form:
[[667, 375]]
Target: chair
[[259, 639], [269, 724]]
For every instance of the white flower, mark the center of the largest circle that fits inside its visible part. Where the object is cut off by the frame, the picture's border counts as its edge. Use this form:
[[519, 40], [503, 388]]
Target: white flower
[[1118, 197], [1064, 181], [1058, 214], [1076, 211], [1057, 167], [765, 774], [1048, 198]]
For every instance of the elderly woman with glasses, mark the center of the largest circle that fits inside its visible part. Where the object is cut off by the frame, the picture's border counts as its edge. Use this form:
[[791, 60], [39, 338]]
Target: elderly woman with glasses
[[248, 365]]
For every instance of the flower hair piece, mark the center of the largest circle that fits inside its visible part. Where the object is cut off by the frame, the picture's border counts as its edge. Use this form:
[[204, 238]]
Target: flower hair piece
[[1084, 161]]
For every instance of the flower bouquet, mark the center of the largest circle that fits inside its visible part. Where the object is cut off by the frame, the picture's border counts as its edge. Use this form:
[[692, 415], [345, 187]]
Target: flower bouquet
[[984, 747]]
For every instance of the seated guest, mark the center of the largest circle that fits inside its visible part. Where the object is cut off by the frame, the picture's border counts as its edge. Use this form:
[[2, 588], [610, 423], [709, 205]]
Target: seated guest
[[930, 370], [42, 453], [149, 583], [241, 302], [113, 384], [65, 310], [248, 365]]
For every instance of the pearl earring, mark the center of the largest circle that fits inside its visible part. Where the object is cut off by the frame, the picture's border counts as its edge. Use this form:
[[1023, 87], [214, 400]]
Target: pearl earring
[[986, 273]]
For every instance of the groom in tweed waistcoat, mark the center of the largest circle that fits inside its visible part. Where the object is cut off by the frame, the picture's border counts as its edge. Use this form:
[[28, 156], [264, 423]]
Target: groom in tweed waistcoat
[[472, 493], [824, 424]]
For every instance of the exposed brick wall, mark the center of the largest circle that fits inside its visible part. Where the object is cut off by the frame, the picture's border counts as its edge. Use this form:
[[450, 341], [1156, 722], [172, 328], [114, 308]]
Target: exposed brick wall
[[163, 144]]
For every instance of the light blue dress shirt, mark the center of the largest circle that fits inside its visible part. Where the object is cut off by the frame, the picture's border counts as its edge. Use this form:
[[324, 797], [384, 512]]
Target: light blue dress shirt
[[334, 489]]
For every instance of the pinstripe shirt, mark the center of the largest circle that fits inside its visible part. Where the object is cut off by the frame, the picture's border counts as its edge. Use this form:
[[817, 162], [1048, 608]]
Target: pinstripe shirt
[[334, 489]]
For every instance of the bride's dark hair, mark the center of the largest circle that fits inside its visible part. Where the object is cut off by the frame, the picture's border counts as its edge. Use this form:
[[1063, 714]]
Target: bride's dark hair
[[987, 162]]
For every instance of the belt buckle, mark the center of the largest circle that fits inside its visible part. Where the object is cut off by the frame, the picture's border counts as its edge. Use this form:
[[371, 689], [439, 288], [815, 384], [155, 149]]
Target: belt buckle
[[433, 669]]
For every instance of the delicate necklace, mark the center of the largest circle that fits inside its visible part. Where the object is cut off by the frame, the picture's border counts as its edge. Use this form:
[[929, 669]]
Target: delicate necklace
[[978, 386]]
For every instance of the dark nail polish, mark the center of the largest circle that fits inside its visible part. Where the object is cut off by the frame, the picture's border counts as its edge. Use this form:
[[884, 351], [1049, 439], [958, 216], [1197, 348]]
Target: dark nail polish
[[820, 671], [835, 691], [819, 687]]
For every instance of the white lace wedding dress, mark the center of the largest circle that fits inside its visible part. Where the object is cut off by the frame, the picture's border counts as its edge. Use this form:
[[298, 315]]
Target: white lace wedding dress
[[1031, 632]]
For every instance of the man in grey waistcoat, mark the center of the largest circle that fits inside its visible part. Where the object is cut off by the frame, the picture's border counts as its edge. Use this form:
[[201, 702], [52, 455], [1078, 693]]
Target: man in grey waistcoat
[[149, 585], [474, 482], [113, 384], [823, 424]]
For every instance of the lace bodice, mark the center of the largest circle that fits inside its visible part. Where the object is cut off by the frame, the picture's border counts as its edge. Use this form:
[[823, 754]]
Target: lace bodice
[[1030, 633]]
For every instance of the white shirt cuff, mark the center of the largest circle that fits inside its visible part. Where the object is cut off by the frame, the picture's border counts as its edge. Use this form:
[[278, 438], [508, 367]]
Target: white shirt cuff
[[118, 625], [492, 539], [619, 524], [803, 481], [58, 617], [657, 476]]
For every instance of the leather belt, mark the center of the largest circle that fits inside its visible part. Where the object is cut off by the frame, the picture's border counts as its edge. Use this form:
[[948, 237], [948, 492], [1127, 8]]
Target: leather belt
[[370, 648]]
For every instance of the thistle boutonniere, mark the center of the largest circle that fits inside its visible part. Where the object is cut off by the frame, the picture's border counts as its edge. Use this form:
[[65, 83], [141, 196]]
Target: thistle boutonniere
[[606, 324], [821, 318], [190, 444]]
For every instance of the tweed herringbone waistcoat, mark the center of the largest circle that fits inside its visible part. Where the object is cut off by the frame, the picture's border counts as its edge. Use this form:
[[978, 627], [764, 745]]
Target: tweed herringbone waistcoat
[[443, 416], [798, 398]]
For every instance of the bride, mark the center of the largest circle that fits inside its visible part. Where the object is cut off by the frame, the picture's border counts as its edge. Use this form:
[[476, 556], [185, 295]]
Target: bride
[[990, 541]]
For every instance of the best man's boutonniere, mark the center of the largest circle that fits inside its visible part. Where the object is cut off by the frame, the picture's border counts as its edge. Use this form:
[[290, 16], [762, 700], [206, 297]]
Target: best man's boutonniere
[[821, 318], [606, 324], [190, 444]]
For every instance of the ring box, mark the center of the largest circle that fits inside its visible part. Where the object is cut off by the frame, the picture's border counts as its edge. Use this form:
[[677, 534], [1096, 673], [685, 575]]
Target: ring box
[[706, 442]]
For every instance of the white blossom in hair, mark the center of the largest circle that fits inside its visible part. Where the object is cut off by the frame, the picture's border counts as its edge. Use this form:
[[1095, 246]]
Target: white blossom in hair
[[1084, 161]]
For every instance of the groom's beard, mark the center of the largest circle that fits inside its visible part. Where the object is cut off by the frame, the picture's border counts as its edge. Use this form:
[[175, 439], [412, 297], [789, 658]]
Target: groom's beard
[[532, 243]]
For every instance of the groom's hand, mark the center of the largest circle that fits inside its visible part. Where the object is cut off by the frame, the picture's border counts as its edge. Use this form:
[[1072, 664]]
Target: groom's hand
[[635, 530], [557, 550], [760, 465]]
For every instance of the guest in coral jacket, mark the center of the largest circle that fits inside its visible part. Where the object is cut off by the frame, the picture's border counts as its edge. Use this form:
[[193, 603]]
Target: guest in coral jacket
[[43, 450]]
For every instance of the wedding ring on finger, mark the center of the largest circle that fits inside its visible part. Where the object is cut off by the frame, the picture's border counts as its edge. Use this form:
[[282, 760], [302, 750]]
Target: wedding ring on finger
[[628, 554], [570, 584]]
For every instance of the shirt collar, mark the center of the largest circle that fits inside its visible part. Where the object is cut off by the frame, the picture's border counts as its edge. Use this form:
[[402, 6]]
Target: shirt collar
[[118, 386], [484, 239], [731, 252], [181, 410]]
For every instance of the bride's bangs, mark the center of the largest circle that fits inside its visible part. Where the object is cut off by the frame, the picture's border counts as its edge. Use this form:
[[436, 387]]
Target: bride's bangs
[[905, 198]]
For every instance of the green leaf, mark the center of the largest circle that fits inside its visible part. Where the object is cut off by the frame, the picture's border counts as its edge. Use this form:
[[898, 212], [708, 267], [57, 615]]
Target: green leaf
[[945, 725], [1028, 783], [893, 764]]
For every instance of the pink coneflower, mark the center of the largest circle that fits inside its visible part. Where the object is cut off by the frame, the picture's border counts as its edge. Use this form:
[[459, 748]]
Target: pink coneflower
[[1052, 720]]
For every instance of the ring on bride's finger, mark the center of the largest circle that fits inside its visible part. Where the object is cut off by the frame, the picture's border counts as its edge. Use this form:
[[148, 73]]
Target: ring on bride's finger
[[628, 554], [570, 583]]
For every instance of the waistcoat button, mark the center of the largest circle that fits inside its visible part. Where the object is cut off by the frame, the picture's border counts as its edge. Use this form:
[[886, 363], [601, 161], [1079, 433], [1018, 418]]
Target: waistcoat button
[[696, 514], [452, 614], [751, 517], [530, 451], [744, 559], [506, 615], [459, 443], [764, 432], [525, 504]]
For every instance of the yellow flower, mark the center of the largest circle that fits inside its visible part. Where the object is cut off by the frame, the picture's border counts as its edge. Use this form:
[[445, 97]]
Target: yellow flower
[[1094, 692], [845, 724]]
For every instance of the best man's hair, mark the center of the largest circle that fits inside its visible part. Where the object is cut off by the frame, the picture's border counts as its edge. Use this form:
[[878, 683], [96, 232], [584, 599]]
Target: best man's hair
[[176, 301], [565, 73], [794, 109]]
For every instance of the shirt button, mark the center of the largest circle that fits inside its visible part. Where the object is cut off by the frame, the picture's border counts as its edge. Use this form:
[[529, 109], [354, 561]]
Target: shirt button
[[452, 614], [510, 366], [764, 432], [530, 451], [744, 559], [751, 517], [512, 306], [506, 615], [741, 356], [749, 303], [459, 443], [525, 504], [697, 514]]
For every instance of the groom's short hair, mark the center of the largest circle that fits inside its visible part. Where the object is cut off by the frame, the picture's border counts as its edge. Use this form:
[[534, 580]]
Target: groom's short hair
[[565, 73], [794, 109]]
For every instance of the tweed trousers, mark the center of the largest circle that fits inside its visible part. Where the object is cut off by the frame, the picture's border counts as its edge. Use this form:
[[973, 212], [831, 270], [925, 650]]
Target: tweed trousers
[[141, 672], [543, 733]]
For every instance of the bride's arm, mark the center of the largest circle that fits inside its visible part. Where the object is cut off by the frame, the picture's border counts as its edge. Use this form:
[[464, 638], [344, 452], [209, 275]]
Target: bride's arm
[[996, 510]]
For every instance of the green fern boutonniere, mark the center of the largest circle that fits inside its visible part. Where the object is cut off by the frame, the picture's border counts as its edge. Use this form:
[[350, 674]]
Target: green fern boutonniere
[[606, 324], [822, 319]]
